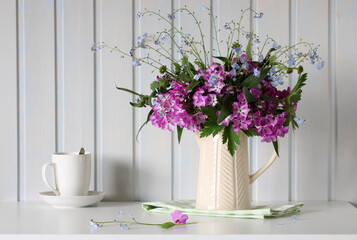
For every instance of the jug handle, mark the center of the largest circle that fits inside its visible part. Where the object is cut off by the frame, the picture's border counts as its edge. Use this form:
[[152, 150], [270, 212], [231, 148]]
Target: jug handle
[[254, 176]]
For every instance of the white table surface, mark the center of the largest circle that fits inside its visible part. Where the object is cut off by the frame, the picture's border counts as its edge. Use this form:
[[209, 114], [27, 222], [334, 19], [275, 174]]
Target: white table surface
[[37, 220]]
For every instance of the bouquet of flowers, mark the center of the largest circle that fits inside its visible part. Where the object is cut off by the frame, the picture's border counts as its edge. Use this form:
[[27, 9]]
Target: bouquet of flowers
[[235, 92]]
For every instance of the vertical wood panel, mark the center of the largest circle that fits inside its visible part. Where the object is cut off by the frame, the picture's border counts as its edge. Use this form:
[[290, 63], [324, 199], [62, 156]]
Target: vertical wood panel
[[274, 183], [93, 114], [115, 123], [312, 139], [153, 149], [346, 84], [37, 92], [333, 96], [75, 77], [8, 100]]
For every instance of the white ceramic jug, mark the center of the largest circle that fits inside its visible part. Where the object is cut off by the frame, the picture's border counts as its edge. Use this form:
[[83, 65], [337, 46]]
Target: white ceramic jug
[[223, 180]]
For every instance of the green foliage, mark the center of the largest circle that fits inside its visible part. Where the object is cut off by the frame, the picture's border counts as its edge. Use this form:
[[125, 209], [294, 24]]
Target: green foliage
[[141, 102], [294, 97], [250, 98], [177, 68], [249, 47], [199, 64], [226, 109], [213, 129], [167, 225], [147, 120], [185, 77], [154, 85], [179, 133], [129, 91], [250, 132], [272, 60], [231, 138], [300, 83], [210, 112], [300, 70], [163, 69], [184, 60], [223, 59], [253, 81], [264, 97], [276, 147], [192, 85], [289, 71]]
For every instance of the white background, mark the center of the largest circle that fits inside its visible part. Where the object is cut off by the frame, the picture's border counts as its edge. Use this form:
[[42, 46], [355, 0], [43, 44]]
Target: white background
[[57, 95]]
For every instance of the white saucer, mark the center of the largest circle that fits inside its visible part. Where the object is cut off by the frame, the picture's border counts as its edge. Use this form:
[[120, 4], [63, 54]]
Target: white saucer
[[72, 201]]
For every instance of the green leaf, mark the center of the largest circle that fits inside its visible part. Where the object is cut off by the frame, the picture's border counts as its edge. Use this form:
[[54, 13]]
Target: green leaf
[[138, 104], [184, 77], [223, 59], [129, 91], [150, 98], [225, 135], [205, 132], [276, 147], [248, 51], [147, 120], [217, 129], [226, 109], [154, 85], [250, 98], [296, 96], [253, 81], [268, 53], [272, 60], [282, 67], [200, 64], [177, 68], [163, 82], [264, 97], [184, 60], [191, 67], [233, 140], [167, 225], [211, 112], [192, 85], [291, 114], [179, 133], [214, 130], [290, 109], [250, 132], [294, 124], [301, 82]]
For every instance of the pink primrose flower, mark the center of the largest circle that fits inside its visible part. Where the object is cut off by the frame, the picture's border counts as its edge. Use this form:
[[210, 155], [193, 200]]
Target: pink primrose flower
[[178, 217], [240, 110], [256, 92], [212, 100], [254, 119], [240, 123], [198, 98]]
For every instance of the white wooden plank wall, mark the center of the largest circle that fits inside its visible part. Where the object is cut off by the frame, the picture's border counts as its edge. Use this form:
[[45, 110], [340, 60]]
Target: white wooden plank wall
[[57, 95]]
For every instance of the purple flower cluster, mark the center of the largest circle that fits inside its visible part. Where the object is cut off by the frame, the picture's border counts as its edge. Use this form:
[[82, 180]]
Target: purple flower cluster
[[181, 107], [170, 111]]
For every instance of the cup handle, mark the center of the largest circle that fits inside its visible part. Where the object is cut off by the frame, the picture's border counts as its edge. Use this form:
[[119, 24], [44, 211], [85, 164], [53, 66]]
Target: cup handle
[[44, 177], [254, 176]]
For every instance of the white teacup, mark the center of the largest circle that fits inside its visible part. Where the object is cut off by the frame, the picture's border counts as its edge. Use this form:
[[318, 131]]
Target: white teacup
[[72, 173]]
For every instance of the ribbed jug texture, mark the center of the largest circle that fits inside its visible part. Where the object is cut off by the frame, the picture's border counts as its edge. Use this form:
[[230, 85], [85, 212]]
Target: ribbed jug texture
[[223, 179]]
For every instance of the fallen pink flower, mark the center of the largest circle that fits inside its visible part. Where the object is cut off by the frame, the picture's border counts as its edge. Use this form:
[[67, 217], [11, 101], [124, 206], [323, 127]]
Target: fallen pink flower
[[178, 217]]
